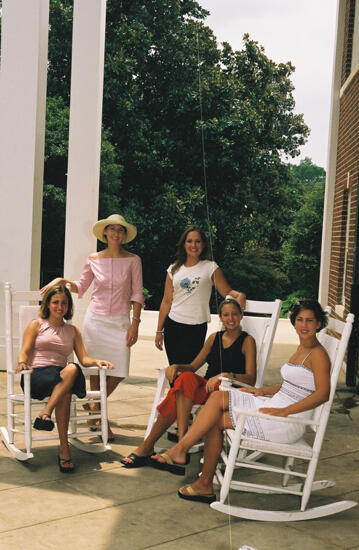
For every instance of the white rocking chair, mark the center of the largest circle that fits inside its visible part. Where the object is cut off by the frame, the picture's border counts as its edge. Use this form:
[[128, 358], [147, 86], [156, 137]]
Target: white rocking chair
[[301, 450], [260, 321], [18, 313]]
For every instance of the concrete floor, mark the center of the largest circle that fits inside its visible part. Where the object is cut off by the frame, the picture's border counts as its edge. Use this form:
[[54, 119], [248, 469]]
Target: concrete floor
[[104, 506]]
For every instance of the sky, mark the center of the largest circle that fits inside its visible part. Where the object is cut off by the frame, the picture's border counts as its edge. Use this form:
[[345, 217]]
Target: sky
[[300, 31]]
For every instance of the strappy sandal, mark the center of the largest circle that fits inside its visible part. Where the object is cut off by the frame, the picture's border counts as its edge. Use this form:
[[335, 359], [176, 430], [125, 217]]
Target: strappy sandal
[[65, 469], [136, 460]]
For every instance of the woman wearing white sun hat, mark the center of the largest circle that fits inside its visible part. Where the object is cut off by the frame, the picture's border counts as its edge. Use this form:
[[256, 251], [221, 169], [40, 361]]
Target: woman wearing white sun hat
[[117, 277]]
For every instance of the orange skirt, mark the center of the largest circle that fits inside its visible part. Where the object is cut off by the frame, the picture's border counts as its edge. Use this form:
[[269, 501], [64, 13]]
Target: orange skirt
[[192, 386]]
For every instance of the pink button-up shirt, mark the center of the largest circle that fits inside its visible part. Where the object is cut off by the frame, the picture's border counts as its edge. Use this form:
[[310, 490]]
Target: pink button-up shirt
[[117, 283]]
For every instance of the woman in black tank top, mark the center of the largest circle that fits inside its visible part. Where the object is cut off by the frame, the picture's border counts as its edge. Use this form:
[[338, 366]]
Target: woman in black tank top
[[230, 352]]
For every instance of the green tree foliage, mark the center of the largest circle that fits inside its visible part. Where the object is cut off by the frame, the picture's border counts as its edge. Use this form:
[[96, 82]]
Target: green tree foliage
[[259, 272], [308, 173], [169, 89], [54, 198], [290, 300], [301, 251]]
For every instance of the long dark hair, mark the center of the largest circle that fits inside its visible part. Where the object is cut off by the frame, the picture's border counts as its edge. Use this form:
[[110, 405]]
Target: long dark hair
[[181, 253]]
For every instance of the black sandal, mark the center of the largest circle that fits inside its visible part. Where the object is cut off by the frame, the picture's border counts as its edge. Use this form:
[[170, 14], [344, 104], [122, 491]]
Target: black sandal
[[64, 469], [137, 461], [44, 422]]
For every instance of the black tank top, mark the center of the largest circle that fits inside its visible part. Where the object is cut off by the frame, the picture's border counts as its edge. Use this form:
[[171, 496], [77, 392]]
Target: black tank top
[[230, 359]]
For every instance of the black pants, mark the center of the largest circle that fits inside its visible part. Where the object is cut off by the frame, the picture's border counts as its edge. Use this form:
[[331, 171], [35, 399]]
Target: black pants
[[183, 342]]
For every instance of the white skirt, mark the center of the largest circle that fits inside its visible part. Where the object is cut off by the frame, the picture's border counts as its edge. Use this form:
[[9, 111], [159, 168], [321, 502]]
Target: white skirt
[[105, 338]]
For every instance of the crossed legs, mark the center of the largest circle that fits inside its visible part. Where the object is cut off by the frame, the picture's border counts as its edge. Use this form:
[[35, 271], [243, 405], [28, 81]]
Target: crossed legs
[[60, 400]]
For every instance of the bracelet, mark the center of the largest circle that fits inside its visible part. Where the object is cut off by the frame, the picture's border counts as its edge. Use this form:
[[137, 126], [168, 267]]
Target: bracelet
[[136, 318], [159, 331]]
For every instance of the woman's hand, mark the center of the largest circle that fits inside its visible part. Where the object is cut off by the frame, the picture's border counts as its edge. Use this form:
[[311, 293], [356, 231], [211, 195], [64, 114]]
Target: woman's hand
[[132, 335], [54, 282], [22, 366], [257, 392], [171, 372], [211, 383], [164, 311], [282, 411], [101, 364], [159, 340]]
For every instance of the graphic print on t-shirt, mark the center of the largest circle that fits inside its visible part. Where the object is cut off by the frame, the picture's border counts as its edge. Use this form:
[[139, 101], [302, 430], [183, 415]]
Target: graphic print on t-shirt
[[189, 285]]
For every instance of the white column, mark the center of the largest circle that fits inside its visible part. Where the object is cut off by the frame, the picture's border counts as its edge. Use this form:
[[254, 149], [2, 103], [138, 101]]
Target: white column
[[88, 48], [332, 159], [22, 129]]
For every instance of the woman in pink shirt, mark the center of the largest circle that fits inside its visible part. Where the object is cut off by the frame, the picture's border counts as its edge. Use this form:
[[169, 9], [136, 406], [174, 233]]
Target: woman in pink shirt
[[47, 343], [117, 277]]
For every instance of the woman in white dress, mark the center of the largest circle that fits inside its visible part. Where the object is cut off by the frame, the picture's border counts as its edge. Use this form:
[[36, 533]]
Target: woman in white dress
[[306, 385]]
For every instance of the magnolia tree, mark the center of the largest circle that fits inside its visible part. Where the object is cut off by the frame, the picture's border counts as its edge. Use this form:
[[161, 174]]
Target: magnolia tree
[[193, 132]]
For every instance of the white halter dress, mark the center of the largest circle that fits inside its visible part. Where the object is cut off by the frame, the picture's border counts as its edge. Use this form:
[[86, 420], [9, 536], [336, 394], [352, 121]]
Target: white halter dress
[[298, 383]]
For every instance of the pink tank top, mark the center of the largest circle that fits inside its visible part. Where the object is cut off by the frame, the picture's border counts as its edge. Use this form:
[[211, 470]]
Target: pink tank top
[[52, 345]]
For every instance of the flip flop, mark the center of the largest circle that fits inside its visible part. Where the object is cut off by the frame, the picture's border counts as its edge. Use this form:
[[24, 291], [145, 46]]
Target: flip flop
[[44, 422], [193, 495], [137, 461], [169, 465], [65, 469]]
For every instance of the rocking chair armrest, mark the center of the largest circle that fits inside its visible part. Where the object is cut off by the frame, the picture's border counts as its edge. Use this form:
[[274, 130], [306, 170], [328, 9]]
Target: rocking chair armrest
[[93, 369], [229, 382], [27, 372], [291, 419], [226, 383]]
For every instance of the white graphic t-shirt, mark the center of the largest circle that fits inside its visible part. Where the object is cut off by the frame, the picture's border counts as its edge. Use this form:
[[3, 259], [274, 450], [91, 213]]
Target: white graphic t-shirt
[[192, 287]]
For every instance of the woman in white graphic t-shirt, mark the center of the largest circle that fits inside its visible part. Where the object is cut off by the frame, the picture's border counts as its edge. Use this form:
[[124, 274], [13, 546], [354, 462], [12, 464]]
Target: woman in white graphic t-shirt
[[184, 311]]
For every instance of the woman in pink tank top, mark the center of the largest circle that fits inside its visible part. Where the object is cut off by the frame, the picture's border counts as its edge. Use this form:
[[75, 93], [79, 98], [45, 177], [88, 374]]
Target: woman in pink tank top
[[47, 343], [108, 330]]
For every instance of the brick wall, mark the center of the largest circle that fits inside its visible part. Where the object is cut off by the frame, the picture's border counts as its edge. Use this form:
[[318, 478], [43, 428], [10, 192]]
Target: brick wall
[[348, 39], [347, 163]]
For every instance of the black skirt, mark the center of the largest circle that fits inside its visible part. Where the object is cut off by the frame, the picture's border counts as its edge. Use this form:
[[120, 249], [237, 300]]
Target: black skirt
[[44, 379]]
